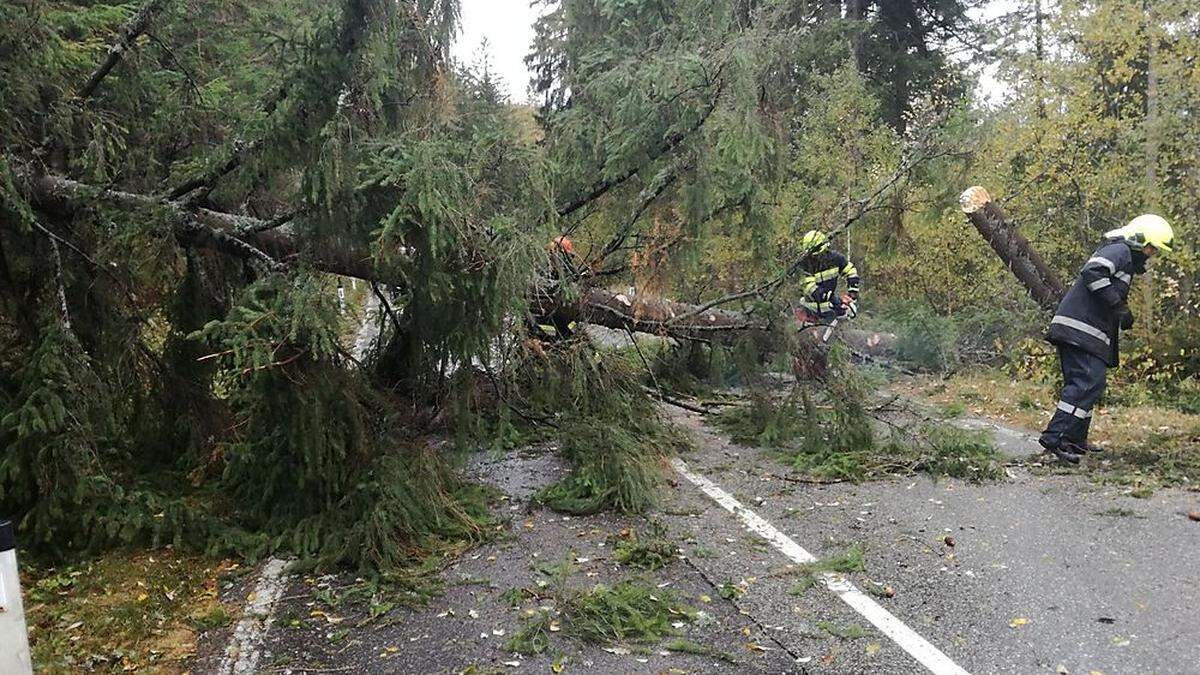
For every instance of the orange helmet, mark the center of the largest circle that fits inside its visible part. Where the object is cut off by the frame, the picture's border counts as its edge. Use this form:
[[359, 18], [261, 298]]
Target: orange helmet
[[563, 242]]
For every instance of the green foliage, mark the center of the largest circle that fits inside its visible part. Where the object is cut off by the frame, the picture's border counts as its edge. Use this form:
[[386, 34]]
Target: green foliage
[[851, 632], [183, 394], [850, 560], [214, 618], [650, 551], [825, 434], [829, 434], [317, 464], [926, 339], [64, 462], [763, 422], [612, 435], [533, 637], [960, 454], [689, 647], [730, 591], [630, 611]]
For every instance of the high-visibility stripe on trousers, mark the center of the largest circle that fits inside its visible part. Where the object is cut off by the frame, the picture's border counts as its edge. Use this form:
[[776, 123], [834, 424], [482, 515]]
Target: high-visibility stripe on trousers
[[1084, 376]]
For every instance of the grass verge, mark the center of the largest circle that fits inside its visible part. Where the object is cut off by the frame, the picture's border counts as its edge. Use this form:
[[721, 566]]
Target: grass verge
[[1148, 445], [124, 611]]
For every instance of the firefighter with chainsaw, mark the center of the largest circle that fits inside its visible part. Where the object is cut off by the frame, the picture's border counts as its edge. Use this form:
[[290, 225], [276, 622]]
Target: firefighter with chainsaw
[[1087, 324], [822, 266], [820, 304]]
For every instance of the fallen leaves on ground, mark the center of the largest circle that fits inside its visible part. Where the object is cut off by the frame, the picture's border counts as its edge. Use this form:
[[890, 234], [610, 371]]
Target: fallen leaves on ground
[[1018, 622]]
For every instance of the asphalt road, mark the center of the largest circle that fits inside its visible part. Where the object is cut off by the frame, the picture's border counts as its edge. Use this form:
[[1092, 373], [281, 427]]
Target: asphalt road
[[1041, 573]]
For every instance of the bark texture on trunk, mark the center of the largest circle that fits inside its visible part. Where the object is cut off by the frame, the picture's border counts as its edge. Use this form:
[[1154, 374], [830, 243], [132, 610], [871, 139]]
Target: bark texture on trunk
[[201, 227], [681, 321], [1014, 249], [649, 315]]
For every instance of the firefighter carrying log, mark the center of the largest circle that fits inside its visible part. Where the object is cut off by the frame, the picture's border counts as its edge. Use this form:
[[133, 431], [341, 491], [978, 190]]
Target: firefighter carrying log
[[1087, 325]]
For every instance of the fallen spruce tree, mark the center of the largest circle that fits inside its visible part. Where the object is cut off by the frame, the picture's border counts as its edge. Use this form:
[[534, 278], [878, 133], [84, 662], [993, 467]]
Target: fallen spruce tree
[[270, 243], [177, 192]]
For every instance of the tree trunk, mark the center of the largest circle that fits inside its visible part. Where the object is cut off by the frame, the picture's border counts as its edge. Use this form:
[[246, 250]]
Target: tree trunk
[[856, 11], [1014, 249], [224, 232], [1152, 147], [1040, 52]]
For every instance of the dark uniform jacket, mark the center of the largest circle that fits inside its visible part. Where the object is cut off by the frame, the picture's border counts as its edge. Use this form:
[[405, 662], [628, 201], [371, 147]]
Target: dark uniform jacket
[[819, 284], [1088, 316]]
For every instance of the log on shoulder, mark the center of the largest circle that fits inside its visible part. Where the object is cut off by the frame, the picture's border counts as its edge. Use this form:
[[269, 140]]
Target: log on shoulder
[[1013, 248]]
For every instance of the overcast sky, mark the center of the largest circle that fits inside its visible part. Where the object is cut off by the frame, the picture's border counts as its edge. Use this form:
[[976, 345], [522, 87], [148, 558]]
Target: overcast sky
[[508, 27]]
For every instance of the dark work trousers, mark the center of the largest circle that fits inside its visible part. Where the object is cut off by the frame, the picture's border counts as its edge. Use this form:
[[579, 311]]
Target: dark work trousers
[[1083, 383]]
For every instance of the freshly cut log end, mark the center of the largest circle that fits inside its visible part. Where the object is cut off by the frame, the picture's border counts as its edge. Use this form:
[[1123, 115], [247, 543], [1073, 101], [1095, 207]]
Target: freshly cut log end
[[973, 199]]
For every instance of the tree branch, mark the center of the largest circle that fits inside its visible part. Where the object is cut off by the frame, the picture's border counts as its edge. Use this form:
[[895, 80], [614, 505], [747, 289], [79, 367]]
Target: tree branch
[[648, 197], [671, 142], [129, 33], [193, 225]]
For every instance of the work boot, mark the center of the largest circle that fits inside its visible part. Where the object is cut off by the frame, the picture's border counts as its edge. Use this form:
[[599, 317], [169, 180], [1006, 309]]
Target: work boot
[[1089, 447], [1065, 451]]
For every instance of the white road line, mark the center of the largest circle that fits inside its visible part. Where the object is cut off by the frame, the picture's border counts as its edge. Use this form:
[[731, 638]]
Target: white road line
[[908, 640], [245, 647]]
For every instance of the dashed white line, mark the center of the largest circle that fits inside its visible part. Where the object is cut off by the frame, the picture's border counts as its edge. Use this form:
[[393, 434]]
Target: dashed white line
[[245, 647], [908, 640]]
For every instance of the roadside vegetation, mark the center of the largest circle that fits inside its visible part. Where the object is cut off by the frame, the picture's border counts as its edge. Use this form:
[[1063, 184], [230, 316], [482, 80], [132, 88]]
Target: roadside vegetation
[[1149, 442], [833, 431], [124, 611]]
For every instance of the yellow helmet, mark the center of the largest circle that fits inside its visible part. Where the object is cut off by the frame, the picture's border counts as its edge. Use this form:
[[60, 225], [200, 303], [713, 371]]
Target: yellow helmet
[[814, 241], [1147, 229]]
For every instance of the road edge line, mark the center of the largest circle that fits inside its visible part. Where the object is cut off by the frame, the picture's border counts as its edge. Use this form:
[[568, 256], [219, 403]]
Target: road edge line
[[245, 645], [896, 630]]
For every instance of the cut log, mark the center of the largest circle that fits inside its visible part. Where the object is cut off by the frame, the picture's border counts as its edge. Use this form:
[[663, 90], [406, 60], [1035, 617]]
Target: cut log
[[1014, 249], [649, 315], [681, 321]]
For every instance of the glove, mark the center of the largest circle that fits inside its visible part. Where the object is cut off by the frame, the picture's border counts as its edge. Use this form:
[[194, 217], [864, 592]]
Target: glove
[[1124, 316], [839, 308], [849, 306]]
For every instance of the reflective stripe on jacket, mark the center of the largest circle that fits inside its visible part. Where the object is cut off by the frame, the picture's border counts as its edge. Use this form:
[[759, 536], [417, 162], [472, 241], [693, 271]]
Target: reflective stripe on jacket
[[819, 285], [1087, 317]]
